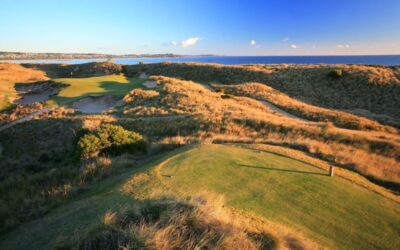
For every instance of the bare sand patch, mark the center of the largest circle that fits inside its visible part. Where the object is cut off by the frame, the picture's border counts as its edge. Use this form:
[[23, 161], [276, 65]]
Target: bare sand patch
[[150, 84], [281, 111], [97, 104]]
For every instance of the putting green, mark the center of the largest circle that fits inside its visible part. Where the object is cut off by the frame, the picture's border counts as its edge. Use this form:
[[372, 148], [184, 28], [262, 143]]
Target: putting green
[[117, 85]]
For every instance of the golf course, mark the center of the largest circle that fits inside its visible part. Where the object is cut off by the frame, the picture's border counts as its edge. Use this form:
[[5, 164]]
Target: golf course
[[200, 125]]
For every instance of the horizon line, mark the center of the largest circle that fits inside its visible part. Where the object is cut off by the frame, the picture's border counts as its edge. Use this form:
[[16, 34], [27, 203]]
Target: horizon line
[[195, 55]]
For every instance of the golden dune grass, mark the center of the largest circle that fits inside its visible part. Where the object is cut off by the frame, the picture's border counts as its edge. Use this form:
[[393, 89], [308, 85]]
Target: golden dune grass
[[372, 88], [371, 153], [304, 110]]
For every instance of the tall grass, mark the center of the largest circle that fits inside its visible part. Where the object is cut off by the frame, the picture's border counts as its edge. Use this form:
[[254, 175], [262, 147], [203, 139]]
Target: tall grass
[[197, 223]]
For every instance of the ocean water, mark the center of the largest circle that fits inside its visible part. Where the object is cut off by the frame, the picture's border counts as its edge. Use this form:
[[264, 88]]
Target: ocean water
[[389, 60]]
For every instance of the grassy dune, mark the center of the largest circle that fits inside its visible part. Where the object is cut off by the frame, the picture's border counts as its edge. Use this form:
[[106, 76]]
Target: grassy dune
[[117, 85], [372, 88], [302, 109], [235, 118]]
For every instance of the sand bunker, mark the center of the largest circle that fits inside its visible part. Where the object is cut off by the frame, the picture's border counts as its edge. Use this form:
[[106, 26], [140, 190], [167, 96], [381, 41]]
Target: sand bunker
[[36, 97], [150, 84], [143, 75], [96, 104], [37, 92]]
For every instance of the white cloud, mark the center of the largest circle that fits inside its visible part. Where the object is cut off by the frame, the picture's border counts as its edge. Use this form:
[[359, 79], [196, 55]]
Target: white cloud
[[293, 46], [342, 46], [189, 42], [253, 42], [285, 39], [174, 43]]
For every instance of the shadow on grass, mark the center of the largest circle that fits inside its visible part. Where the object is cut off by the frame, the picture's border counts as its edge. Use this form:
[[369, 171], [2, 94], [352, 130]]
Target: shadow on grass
[[393, 186], [283, 170], [285, 156]]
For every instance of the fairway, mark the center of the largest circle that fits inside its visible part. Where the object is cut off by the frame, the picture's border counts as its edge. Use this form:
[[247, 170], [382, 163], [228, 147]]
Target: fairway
[[117, 85], [330, 210]]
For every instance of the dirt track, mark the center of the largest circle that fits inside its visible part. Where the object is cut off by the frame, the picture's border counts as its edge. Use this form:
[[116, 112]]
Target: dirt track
[[24, 119]]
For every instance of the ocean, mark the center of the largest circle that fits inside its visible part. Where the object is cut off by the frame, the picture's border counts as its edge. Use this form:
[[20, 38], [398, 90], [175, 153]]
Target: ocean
[[388, 60]]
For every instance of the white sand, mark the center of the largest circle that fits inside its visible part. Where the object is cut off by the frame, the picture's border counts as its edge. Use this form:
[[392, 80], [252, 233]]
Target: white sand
[[39, 97], [96, 104]]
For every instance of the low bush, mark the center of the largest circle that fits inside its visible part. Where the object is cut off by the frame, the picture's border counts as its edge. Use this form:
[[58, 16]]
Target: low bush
[[109, 139], [335, 74]]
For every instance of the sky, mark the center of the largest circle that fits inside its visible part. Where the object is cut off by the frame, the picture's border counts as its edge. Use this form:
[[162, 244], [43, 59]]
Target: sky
[[193, 27]]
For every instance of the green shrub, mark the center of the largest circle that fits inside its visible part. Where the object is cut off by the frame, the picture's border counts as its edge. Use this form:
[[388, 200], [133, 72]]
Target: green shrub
[[110, 139], [336, 74]]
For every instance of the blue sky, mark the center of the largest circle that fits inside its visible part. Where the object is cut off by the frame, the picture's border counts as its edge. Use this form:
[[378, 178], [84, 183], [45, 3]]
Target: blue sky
[[235, 27]]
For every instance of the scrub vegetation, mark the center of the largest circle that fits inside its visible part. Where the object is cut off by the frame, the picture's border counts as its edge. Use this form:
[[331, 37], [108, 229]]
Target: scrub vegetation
[[109, 139]]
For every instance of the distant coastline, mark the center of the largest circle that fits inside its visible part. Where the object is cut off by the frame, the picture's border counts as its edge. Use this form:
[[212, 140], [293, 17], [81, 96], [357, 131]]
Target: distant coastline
[[71, 56]]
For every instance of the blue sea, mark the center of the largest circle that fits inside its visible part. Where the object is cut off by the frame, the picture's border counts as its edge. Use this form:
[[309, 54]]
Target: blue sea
[[389, 60]]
